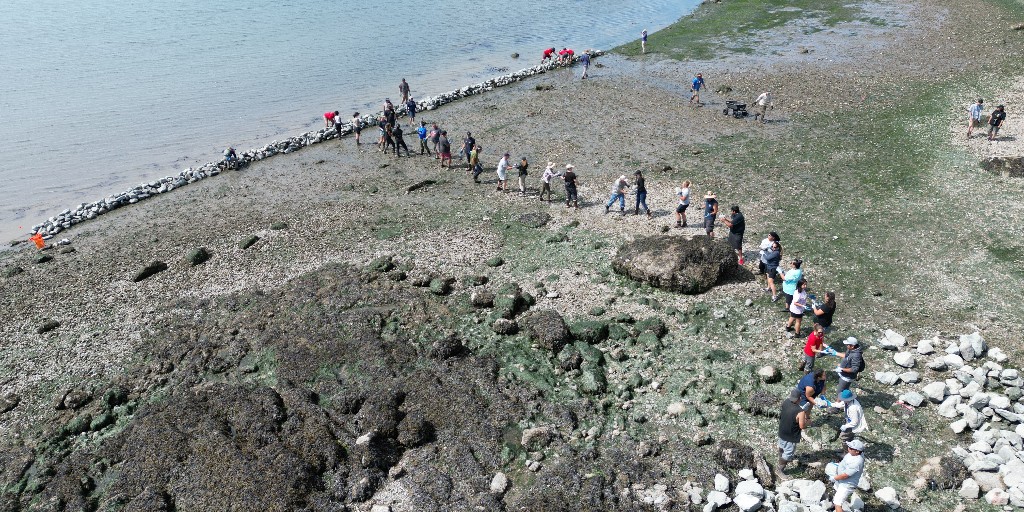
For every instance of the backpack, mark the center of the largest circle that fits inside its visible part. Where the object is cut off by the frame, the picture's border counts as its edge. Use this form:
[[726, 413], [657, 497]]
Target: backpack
[[861, 366]]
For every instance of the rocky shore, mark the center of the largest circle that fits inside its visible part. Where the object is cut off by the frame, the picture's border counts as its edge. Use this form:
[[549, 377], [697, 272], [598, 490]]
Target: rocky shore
[[339, 329]]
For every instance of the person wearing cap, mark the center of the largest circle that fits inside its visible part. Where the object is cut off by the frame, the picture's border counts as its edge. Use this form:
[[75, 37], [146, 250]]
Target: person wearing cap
[[619, 189], [695, 86], [549, 172], [995, 121], [974, 116], [737, 225], [793, 420], [710, 213], [850, 364], [855, 421], [522, 167], [585, 60], [641, 194], [502, 171], [848, 473], [683, 195], [571, 198]]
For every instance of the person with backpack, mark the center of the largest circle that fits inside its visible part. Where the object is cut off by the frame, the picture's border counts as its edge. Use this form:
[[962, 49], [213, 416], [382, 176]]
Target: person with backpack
[[850, 364]]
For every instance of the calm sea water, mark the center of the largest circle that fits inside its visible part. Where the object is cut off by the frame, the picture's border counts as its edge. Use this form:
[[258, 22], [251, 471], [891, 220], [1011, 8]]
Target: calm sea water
[[97, 96]]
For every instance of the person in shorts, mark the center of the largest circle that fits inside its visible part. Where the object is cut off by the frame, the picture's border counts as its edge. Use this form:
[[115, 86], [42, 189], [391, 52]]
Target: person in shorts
[[695, 86], [771, 259], [445, 148], [571, 198], [848, 472], [974, 116], [357, 126], [995, 121], [797, 307], [410, 107], [683, 195], [793, 420], [737, 225], [502, 171], [710, 213]]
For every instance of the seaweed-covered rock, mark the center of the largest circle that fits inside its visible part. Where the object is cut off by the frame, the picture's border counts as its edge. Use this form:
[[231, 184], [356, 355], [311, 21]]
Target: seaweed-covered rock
[[763, 403], [197, 256], [570, 358], [734, 455], [534, 220], [547, 328], [676, 263], [590, 331], [505, 327], [952, 472], [149, 271]]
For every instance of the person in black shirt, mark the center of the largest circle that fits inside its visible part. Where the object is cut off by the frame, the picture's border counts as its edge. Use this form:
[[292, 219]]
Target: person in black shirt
[[823, 312], [792, 422], [399, 141], [737, 225], [467, 145], [995, 121], [389, 139], [641, 194], [571, 199]]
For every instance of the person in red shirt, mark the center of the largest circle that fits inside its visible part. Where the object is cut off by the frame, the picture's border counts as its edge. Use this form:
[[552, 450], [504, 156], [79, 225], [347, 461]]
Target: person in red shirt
[[330, 118], [548, 54], [814, 347]]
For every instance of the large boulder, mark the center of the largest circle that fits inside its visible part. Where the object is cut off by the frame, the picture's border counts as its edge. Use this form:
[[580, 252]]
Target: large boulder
[[675, 263], [547, 328]]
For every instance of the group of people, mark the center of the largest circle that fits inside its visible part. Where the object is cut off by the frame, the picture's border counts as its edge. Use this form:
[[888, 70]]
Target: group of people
[[996, 118]]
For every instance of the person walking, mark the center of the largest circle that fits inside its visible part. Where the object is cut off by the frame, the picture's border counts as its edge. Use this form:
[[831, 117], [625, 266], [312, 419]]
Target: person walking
[[995, 121], [502, 171], [357, 126], [797, 307], [549, 172], [422, 132], [396, 133], [847, 473], [331, 118], [792, 422], [521, 169], [382, 124], [761, 106], [467, 146], [585, 60], [683, 195], [410, 107], [643, 41], [435, 139], [474, 163], [789, 280], [737, 226], [813, 348], [823, 312], [619, 189], [710, 213], [851, 363], [641, 194], [389, 139], [403, 89], [570, 179], [974, 116], [445, 148], [855, 421], [695, 86]]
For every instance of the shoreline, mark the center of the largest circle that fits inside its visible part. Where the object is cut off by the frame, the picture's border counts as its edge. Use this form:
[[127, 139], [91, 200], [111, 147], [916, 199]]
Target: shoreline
[[88, 211]]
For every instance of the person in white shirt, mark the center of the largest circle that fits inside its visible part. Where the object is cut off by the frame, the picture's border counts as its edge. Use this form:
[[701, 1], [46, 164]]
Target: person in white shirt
[[684, 202], [763, 103], [974, 116], [503, 173], [549, 172], [847, 473], [855, 421]]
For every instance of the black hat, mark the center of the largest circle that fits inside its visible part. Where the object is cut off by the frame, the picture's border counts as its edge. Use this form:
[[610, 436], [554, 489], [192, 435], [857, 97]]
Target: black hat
[[637, 173]]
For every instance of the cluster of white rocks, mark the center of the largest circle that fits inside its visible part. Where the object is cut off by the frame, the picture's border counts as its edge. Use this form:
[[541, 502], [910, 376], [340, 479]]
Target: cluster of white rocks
[[980, 395], [87, 211], [748, 495]]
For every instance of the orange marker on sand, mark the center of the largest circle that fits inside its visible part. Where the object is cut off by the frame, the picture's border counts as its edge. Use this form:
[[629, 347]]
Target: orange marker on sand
[[38, 239]]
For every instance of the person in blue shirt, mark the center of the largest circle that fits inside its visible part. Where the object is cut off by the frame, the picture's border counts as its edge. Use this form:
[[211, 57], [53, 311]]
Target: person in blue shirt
[[585, 60], [790, 279], [695, 87], [422, 132], [811, 386]]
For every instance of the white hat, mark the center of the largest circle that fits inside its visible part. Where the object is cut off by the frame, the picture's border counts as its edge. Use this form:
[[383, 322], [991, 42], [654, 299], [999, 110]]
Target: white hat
[[856, 444], [570, 166], [622, 177], [851, 341]]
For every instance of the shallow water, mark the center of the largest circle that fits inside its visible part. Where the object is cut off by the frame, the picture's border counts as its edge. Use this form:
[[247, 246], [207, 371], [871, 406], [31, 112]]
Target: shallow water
[[97, 96]]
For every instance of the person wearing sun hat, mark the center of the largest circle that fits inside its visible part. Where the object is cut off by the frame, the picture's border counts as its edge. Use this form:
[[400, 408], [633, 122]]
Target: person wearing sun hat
[[855, 421], [549, 172], [847, 473], [850, 364], [710, 213], [571, 196]]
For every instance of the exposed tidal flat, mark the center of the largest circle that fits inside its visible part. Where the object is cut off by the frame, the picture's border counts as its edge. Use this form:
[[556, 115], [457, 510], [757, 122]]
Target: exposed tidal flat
[[342, 342]]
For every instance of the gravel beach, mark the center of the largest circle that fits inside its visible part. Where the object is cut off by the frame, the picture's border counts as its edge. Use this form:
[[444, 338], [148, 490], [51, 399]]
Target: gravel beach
[[861, 166]]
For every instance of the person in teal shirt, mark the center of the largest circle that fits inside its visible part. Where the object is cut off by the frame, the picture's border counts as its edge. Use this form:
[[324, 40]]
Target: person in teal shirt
[[790, 279]]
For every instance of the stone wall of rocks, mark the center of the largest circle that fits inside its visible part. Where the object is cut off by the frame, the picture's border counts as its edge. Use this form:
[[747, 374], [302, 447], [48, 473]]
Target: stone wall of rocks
[[87, 211]]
